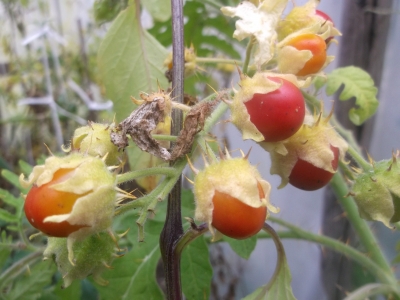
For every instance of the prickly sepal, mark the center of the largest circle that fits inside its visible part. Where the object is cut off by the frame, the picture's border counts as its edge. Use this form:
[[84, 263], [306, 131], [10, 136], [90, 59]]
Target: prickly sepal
[[92, 181], [303, 19], [94, 139], [377, 192], [232, 176], [258, 84], [311, 143], [92, 256]]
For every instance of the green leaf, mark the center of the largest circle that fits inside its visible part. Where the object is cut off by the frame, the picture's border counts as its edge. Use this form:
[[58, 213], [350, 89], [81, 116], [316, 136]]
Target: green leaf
[[133, 276], [196, 270], [7, 217], [4, 255], [25, 167], [243, 248], [9, 199], [130, 61], [12, 178], [359, 84], [280, 288], [74, 291], [30, 285], [160, 10]]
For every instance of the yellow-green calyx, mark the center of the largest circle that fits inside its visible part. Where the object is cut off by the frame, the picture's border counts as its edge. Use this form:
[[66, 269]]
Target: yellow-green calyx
[[95, 184], [258, 84], [94, 139], [311, 143], [232, 176], [92, 256], [377, 192]]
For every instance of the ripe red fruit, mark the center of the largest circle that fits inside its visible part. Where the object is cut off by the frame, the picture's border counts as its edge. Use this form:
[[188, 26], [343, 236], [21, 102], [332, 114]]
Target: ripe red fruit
[[317, 46], [236, 219], [45, 201], [278, 114], [308, 177]]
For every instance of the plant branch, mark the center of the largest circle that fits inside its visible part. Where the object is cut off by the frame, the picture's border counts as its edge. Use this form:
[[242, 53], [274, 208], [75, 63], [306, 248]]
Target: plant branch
[[361, 227], [338, 246], [173, 229]]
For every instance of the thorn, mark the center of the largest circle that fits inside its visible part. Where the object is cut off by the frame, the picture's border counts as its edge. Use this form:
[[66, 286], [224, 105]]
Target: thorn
[[107, 266], [228, 156], [373, 179], [205, 159], [48, 149], [241, 75], [190, 181], [349, 194], [90, 124], [192, 223], [32, 236], [248, 154], [121, 235], [111, 234], [319, 119], [118, 255], [371, 161], [191, 165], [137, 102], [105, 157], [330, 113]]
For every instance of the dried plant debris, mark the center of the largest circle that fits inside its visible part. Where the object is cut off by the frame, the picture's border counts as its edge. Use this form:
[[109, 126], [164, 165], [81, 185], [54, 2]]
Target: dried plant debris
[[153, 109], [193, 124]]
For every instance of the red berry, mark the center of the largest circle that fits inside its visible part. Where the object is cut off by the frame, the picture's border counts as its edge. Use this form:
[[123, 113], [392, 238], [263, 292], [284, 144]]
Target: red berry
[[278, 114], [308, 177]]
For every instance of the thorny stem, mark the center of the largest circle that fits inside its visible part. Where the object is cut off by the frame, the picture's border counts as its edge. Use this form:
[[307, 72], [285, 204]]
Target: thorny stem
[[364, 232], [173, 229]]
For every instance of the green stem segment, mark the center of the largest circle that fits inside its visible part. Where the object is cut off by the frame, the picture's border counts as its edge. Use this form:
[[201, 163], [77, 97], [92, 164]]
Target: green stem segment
[[248, 55], [361, 227], [298, 233]]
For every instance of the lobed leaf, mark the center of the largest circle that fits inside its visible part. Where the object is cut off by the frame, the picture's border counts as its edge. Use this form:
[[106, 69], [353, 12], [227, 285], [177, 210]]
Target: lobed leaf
[[9, 199], [7, 216], [358, 84]]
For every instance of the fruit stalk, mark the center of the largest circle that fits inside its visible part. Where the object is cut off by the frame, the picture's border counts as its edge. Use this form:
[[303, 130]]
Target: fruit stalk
[[173, 229]]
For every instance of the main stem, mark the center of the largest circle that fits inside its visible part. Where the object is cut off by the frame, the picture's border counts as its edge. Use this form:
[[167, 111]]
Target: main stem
[[173, 229]]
